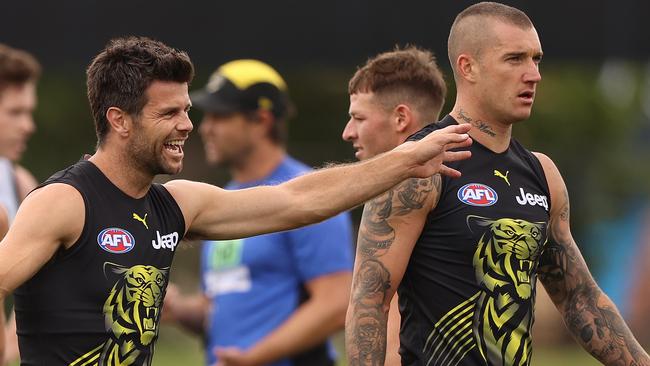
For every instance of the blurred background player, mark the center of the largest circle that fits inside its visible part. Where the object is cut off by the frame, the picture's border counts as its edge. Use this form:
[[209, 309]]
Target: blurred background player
[[393, 96], [271, 299], [19, 72]]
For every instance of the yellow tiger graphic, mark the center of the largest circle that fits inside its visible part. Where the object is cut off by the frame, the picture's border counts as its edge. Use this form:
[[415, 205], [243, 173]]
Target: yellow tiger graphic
[[498, 318], [504, 262], [131, 313]]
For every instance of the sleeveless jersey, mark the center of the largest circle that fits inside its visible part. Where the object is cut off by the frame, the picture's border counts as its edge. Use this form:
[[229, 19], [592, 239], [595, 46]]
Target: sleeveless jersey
[[99, 302], [8, 191], [467, 296]]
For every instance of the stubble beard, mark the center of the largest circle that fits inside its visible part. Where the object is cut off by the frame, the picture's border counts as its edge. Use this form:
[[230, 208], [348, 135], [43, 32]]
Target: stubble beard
[[147, 159]]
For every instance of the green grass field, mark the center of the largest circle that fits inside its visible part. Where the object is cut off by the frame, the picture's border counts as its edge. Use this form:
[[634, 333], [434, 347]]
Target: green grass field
[[176, 348]]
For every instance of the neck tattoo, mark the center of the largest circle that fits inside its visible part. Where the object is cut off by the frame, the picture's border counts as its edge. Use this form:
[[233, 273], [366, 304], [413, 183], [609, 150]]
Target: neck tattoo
[[480, 125]]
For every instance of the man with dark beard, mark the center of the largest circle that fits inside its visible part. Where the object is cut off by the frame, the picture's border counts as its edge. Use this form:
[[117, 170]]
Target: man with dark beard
[[89, 251]]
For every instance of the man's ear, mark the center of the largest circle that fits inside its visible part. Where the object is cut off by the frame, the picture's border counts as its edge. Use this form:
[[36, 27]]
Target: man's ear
[[404, 117], [119, 121], [467, 67]]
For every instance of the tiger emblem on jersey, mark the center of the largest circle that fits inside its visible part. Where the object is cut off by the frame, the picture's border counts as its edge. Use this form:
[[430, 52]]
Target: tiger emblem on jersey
[[499, 317], [131, 313]]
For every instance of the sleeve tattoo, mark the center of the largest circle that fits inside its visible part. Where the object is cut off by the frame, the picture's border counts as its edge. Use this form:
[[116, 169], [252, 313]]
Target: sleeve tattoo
[[588, 313], [366, 329]]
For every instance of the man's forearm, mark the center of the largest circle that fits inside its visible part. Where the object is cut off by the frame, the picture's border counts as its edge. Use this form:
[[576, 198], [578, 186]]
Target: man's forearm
[[588, 313], [597, 325], [347, 186], [365, 328]]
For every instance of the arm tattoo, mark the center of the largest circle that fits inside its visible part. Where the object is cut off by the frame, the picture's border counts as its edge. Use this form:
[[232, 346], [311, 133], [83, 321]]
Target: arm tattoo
[[413, 193], [366, 333], [594, 321], [375, 234], [588, 313], [564, 211], [553, 266], [480, 125], [367, 318]]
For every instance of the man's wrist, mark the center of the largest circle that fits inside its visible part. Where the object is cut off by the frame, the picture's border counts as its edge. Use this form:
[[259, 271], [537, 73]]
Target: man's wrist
[[257, 356], [395, 162]]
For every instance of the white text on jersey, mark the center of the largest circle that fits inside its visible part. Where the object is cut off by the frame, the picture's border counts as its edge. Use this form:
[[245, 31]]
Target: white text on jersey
[[168, 241], [532, 199]]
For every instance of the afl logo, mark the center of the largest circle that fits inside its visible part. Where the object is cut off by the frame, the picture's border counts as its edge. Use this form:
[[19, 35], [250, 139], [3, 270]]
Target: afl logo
[[477, 194], [116, 240]]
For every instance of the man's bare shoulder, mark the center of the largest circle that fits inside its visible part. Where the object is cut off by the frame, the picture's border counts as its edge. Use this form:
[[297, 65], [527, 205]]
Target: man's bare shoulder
[[547, 163], [551, 171], [61, 198], [55, 211]]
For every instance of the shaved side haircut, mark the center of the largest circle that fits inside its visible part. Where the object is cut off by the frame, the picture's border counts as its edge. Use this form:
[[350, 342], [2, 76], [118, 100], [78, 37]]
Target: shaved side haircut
[[472, 28]]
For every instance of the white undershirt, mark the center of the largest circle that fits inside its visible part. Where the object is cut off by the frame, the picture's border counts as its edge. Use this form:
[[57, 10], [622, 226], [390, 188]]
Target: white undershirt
[[8, 196]]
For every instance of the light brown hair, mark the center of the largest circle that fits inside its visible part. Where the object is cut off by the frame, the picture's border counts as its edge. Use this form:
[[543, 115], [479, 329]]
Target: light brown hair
[[17, 67], [409, 75]]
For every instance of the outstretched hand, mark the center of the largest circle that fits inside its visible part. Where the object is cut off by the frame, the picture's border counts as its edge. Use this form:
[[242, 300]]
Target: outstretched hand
[[430, 153]]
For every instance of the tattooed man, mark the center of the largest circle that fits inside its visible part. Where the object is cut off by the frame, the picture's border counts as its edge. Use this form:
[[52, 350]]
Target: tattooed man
[[392, 96], [466, 252]]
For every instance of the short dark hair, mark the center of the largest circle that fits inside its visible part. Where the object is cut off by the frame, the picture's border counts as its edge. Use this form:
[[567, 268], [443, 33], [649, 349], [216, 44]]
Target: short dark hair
[[500, 11], [463, 31], [120, 75], [411, 72], [17, 67]]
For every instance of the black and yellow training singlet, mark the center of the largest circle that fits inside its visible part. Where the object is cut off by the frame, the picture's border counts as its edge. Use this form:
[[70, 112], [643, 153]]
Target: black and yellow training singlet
[[99, 302], [467, 296]]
